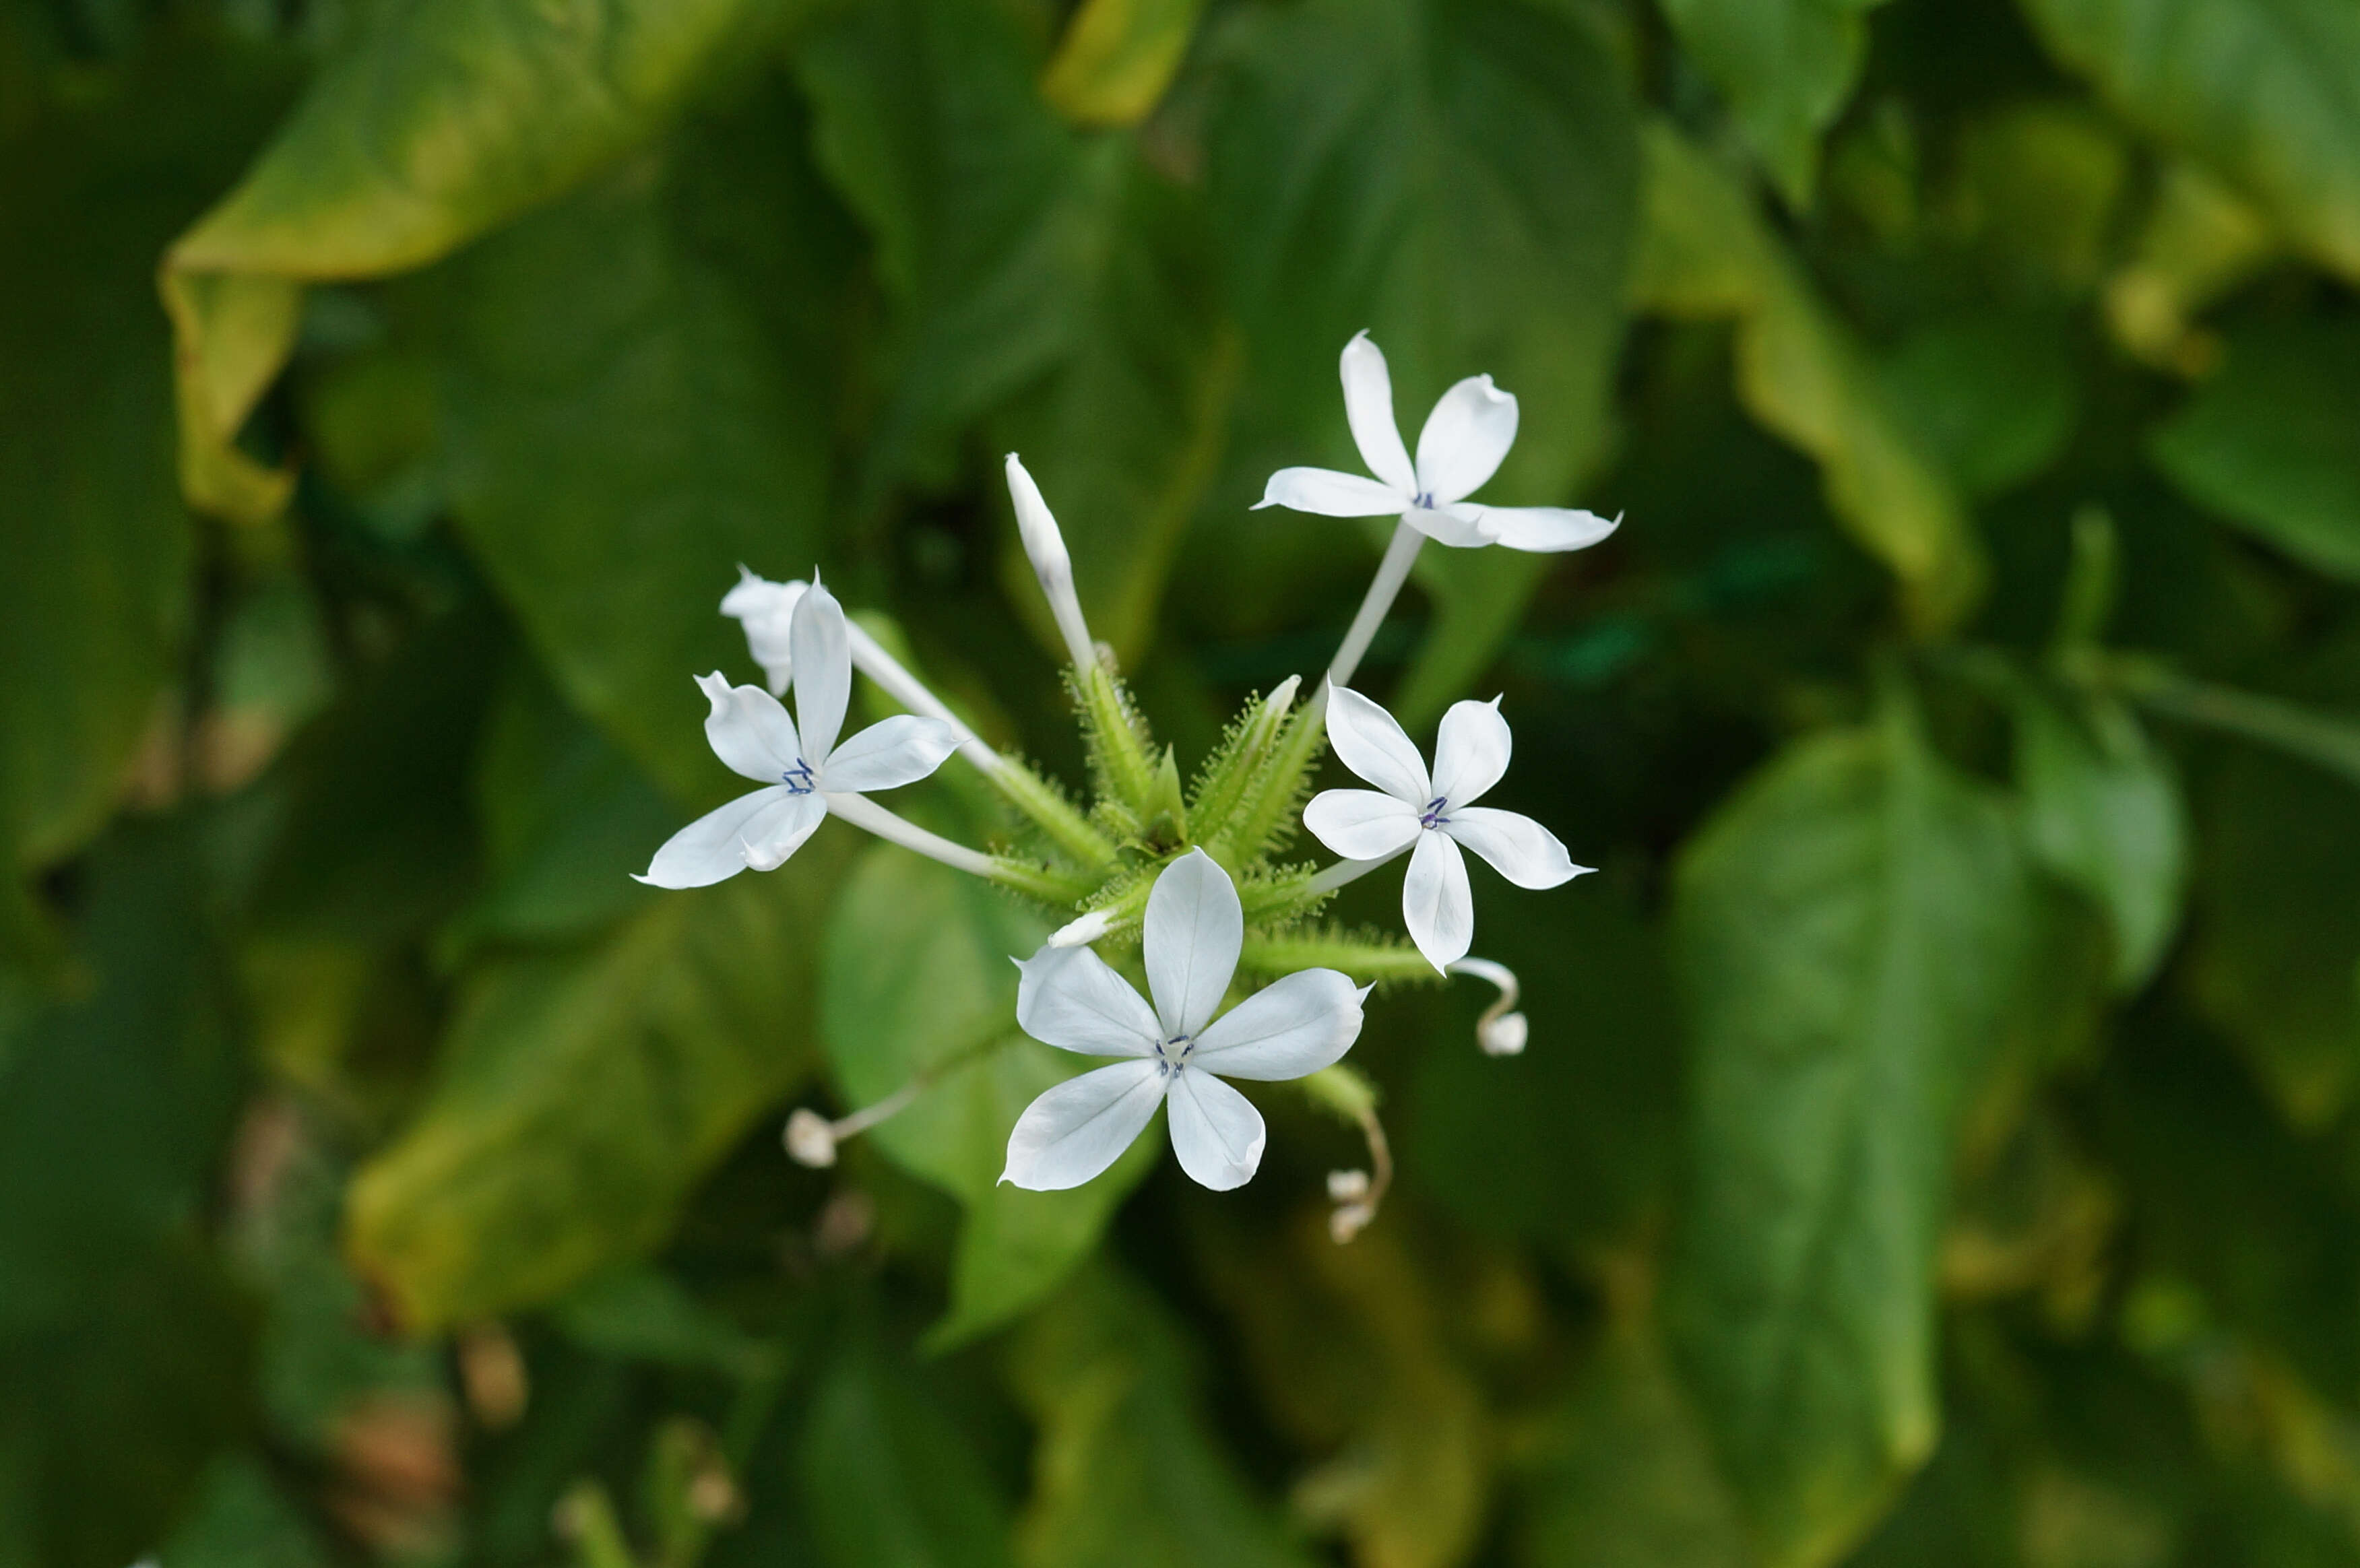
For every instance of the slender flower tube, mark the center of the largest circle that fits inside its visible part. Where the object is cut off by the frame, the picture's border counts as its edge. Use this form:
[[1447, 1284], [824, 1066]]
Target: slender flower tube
[[803, 769], [1046, 547], [1501, 1031], [1431, 816], [1177, 1053], [1464, 440]]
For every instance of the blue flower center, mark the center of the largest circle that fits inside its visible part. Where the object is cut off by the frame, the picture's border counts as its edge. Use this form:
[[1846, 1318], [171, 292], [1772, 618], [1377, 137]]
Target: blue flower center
[[798, 778], [1171, 1055], [1424, 501], [1432, 816]]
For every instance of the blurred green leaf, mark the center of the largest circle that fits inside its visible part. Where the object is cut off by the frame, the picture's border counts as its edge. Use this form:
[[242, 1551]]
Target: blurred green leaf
[[2277, 955], [1622, 1475], [1461, 181], [636, 403], [2104, 813], [1567, 1143], [2267, 92], [1117, 57], [241, 1520], [644, 1313], [96, 600], [1787, 68], [1127, 1474], [443, 120], [888, 1481], [123, 1348], [1849, 933], [1992, 395], [2269, 443], [581, 1094], [1052, 279], [917, 980], [1706, 253], [2199, 239]]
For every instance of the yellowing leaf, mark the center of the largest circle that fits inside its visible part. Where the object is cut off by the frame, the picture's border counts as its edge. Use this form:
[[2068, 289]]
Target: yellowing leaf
[[445, 119], [581, 1094], [1706, 253], [1117, 57]]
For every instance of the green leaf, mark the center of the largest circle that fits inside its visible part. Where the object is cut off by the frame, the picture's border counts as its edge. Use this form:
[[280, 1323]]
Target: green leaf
[[889, 1482], [632, 412], [1459, 179], [2268, 443], [917, 979], [1706, 254], [2104, 813], [1050, 279], [1624, 1475], [2277, 955], [124, 1348], [1127, 1471], [2267, 92], [581, 1094], [1787, 68], [1117, 57], [1849, 933], [241, 1520], [1990, 395], [96, 598], [443, 120]]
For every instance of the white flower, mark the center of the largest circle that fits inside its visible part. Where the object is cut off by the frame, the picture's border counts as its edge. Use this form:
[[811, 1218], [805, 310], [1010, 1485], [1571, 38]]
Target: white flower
[[1408, 807], [1469, 432], [767, 611], [799, 760], [1070, 998]]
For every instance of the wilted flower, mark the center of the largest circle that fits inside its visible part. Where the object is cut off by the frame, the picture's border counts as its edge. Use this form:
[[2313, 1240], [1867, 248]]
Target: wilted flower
[[1070, 997], [1409, 808], [798, 759], [1464, 440]]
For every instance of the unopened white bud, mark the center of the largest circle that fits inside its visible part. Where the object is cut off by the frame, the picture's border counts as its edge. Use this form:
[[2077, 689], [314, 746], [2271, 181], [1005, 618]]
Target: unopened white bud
[[1083, 931], [1348, 1220], [810, 1138], [1502, 1036], [1045, 548], [1348, 1186]]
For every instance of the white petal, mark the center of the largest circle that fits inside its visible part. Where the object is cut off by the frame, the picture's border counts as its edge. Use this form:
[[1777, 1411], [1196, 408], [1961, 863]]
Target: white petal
[[900, 750], [710, 849], [1368, 408], [823, 672], [767, 611], [1216, 1131], [1470, 751], [1372, 744], [1070, 997], [748, 730], [780, 830], [1464, 440], [1193, 932], [1519, 848], [1543, 529], [1332, 495], [1361, 824], [1459, 525], [1295, 1027], [1081, 1127], [1436, 905]]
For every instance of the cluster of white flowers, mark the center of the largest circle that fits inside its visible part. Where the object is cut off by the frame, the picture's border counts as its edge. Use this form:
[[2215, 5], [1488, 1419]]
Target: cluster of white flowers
[[1150, 865]]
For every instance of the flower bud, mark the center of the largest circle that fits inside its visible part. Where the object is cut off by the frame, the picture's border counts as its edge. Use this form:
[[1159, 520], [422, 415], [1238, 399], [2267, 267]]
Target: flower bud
[[1502, 1036], [1348, 1186], [810, 1138], [1045, 548], [1083, 931]]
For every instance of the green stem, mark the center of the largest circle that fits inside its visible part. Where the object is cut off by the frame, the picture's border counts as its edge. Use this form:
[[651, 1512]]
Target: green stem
[[1065, 826], [1359, 957], [1118, 747], [586, 1518]]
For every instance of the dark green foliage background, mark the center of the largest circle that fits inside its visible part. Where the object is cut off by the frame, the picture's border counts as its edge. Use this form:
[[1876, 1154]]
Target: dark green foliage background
[[1938, 1143]]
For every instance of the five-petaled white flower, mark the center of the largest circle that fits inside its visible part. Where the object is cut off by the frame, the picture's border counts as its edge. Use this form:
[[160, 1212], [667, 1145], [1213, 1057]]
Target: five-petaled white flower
[[1432, 813], [1469, 432], [799, 760], [1070, 998]]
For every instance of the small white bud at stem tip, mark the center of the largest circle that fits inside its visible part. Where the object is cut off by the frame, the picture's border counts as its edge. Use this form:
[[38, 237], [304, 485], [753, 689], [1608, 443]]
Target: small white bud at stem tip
[[1083, 931], [1501, 1031], [1045, 548], [1348, 1186], [809, 1140]]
